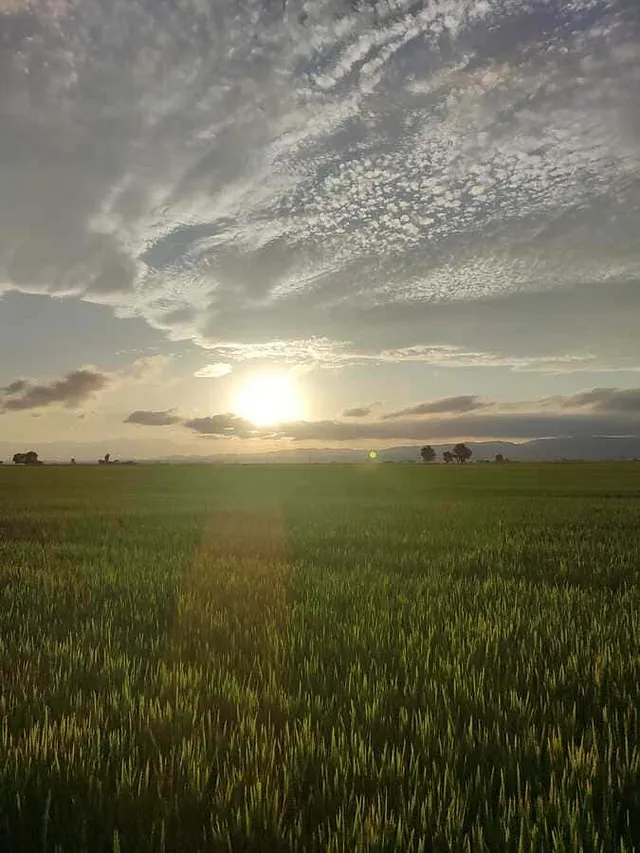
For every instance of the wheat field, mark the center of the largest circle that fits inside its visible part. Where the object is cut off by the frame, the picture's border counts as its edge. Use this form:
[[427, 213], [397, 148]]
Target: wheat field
[[320, 658]]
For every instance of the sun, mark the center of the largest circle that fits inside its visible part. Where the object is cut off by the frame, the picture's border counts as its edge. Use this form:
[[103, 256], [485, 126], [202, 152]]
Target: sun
[[268, 398]]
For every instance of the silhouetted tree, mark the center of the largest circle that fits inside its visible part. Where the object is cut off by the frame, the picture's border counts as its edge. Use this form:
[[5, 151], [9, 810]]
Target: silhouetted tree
[[107, 457], [73, 461], [30, 458], [461, 453], [428, 453], [447, 457], [499, 458]]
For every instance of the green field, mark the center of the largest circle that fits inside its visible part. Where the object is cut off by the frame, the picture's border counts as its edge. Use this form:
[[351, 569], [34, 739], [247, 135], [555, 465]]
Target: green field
[[327, 658]]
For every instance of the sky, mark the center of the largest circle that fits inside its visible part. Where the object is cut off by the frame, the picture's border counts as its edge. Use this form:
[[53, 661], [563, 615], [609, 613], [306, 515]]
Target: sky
[[253, 224]]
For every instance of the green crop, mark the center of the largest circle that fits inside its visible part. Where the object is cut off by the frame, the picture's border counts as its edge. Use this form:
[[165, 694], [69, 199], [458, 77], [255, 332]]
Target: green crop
[[322, 658]]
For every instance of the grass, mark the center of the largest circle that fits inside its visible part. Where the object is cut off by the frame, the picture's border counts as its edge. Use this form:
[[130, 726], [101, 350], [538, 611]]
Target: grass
[[324, 658]]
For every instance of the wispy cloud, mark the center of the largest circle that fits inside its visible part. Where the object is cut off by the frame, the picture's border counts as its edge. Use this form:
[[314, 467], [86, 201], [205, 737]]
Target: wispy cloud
[[323, 352], [357, 412], [214, 371]]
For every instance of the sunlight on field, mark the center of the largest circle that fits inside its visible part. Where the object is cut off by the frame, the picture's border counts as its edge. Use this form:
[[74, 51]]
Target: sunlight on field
[[319, 658]]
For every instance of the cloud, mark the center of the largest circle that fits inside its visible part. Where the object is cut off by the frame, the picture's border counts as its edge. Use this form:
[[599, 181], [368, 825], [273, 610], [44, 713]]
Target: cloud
[[214, 371], [446, 405], [524, 425], [397, 175], [323, 352], [16, 387], [77, 387], [596, 412], [146, 418], [223, 426], [357, 412], [607, 400], [81, 385]]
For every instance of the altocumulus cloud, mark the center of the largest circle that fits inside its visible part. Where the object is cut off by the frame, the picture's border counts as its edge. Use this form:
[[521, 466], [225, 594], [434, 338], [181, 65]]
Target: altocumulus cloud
[[387, 174]]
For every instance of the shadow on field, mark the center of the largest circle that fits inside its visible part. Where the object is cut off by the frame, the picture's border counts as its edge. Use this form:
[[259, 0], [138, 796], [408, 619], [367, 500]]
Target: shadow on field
[[231, 602]]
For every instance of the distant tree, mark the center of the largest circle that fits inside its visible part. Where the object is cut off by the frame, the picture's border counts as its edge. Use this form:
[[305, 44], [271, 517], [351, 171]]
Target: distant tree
[[107, 457], [499, 458], [461, 453], [73, 460], [428, 453], [447, 457], [30, 458]]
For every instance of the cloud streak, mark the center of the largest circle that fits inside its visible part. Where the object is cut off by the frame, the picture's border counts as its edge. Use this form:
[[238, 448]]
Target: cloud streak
[[148, 418], [357, 412], [446, 405]]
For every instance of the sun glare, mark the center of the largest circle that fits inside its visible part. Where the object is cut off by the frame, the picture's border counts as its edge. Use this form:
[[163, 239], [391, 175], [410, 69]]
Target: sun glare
[[268, 399]]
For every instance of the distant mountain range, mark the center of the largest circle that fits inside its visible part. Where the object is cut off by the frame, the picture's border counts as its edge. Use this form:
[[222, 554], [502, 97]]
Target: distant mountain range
[[537, 450]]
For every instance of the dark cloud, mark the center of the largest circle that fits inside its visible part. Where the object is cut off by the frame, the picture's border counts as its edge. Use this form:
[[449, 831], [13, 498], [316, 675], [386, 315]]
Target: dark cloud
[[71, 391], [514, 425], [445, 405], [16, 387], [464, 417], [607, 400], [223, 426], [357, 412], [461, 175], [508, 425], [146, 418]]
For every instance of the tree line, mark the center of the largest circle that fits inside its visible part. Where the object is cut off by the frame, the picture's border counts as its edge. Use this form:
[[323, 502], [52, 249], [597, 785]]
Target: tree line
[[459, 453], [31, 458]]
